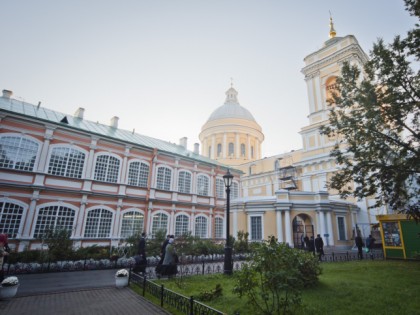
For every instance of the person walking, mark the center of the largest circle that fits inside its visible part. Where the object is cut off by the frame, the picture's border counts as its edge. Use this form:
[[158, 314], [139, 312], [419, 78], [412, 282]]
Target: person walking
[[141, 261], [312, 245], [169, 266], [3, 254], [370, 242], [359, 244], [319, 246], [162, 254]]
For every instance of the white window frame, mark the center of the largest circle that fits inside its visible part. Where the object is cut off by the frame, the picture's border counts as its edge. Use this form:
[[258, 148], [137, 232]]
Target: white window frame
[[164, 184], [206, 232], [70, 147], [106, 180], [222, 229], [184, 191], [205, 180], [27, 138], [133, 221], [102, 207], [220, 188], [338, 227], [159, 213], [182, 214], [139, 179], [6, 227], [251, 237]]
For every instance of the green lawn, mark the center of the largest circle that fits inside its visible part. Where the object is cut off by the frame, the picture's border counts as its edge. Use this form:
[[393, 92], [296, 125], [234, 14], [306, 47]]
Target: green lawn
[[359, 287]]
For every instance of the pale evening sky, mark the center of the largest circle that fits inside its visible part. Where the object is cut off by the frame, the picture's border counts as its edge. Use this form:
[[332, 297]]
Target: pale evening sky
[[163, 66]]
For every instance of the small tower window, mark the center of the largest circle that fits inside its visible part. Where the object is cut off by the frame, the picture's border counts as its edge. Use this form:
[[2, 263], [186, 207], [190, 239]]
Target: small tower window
[[231, 149]]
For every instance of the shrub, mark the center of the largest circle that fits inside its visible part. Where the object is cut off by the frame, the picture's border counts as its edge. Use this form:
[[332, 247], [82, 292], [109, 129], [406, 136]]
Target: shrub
[[273, 278]]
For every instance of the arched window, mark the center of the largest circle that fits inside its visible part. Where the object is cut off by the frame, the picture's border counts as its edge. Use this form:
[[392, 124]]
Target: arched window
[[132, 223], [231, 149], [202, 185], [10, 218], [184, 182], [17, 152], [66, 161], [235, 190], [201, 227], [220, 188], [107, 168], [243, 150], [98, 223], [218, 227], [330, 88], [182, 224], [54, 217], [138, 174], [164, 176], [276, 165], [219, 149], [159, 222]]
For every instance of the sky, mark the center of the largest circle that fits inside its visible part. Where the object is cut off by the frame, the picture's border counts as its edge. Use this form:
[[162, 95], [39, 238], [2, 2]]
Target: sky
[[163, 66]]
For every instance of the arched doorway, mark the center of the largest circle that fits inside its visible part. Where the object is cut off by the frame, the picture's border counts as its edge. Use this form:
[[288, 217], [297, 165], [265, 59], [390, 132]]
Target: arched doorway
[[302, 226]]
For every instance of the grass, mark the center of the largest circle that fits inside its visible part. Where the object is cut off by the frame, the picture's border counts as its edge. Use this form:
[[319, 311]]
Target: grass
[[359, 287]]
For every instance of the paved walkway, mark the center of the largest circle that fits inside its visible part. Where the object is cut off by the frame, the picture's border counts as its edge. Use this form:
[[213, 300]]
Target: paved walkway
[[78, 292]]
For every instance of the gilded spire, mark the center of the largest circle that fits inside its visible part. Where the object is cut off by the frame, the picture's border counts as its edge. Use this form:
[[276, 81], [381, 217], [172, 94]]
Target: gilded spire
[[332, 30]]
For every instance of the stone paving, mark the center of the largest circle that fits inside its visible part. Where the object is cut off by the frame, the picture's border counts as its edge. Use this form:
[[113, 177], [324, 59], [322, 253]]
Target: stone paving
[[79, 292]]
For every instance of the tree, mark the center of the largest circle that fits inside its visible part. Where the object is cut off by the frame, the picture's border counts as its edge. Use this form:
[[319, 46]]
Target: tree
[[60, 246], [273, 278], [374, 118]]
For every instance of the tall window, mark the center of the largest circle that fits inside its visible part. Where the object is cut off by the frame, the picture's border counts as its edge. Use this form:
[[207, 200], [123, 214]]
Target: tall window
[[65, 161], [256, 228], [138, 174], [218, 227], [132, 223], [98, 223], [201, 227], [243, 150], [220, 188], [202, 185], [54, 217], [231, 149], [341, 228], [209, 154], [107, 168], [184, 182], [159, 222], [252, 152], [219, 149], [18, 153], [181, 225], [163, 180], [235, 190], [10, 218]]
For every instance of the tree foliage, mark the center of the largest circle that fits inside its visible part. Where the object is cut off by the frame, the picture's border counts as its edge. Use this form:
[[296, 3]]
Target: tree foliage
[[273, 278], [374, 118]]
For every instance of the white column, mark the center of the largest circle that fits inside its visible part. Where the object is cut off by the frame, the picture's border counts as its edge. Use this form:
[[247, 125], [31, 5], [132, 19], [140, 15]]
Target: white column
[[44, 151], [90, 159], [323, 230], [192, 223], [80, 218], [116, 229], [210, 226], [148, 227], [330, 229], [234, 223], [224, 146], [257, 150], [123, 178], [172, 221], [279, 226], [287, 225], [213, 147], [30, 215], [237, 146], [248, 147]]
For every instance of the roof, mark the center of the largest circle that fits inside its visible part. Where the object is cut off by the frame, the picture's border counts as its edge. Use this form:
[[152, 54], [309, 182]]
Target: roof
[[231, 108], [48, 115]]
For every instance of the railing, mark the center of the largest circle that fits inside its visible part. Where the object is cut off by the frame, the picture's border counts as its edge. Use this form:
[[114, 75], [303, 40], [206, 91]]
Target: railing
[[184, 304]]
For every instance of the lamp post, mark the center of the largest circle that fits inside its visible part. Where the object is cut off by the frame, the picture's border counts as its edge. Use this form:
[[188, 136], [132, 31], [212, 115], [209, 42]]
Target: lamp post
[[228, 249]]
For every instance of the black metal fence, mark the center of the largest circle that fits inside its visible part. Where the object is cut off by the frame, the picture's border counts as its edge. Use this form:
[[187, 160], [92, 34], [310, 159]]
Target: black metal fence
[[184, 304]]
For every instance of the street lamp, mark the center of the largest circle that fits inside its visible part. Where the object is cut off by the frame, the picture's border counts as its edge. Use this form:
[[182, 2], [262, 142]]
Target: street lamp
[[228, 249]]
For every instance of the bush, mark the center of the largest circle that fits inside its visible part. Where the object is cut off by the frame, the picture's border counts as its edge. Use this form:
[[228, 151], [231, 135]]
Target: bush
[[273, 278]]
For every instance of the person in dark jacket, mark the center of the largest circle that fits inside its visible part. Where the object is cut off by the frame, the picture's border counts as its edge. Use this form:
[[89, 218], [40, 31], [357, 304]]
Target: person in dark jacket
[[359, 244], [141, 261], [312, 245], [370, 243], [319, 246], [162, 254]]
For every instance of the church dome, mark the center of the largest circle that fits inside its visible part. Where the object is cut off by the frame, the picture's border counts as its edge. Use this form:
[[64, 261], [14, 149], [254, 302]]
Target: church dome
[[231, 108]]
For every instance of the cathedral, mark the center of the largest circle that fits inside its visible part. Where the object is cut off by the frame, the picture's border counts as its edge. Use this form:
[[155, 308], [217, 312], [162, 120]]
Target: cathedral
[[104, 184]]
